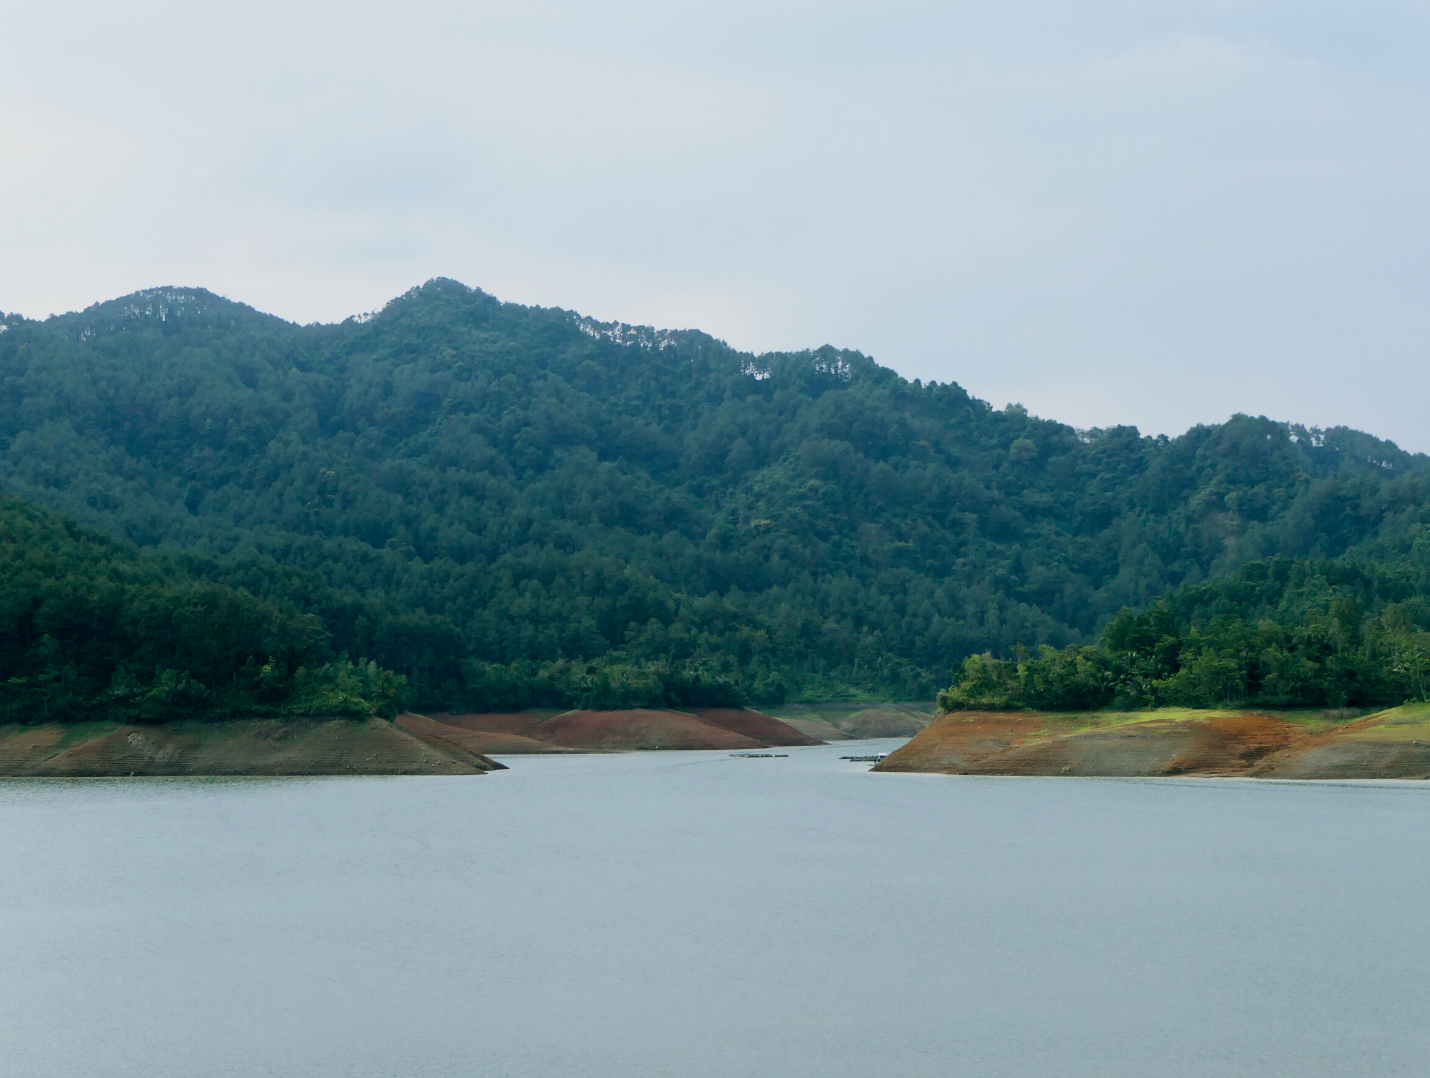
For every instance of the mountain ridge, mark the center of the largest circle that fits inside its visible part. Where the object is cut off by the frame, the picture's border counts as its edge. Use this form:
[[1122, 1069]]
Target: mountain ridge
[[457, 484]]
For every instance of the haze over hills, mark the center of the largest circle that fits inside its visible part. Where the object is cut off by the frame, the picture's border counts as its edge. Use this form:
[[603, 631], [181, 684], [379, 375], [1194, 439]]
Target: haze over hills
[[489, 498]]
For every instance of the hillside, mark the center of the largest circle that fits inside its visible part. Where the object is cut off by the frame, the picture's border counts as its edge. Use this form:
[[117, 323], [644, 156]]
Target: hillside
[[519, 507]]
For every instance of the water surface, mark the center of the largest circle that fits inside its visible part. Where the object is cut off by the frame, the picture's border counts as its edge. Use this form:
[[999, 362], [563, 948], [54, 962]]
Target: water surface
[[693, 914]]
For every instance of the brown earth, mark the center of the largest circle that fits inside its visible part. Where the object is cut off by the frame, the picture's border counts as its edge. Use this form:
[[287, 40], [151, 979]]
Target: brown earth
[[496, 722], [236, 747], [766, 729], [1183, 742], [618, 731], [504, 734], [1352, 759], [414, 744], [958, 740], [638, 728], [1218, 746], [475, 742], [1393, 744], [817, 728]]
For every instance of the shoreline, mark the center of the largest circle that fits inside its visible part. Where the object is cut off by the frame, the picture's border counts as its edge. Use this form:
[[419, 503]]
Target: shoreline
[[1174, 742]]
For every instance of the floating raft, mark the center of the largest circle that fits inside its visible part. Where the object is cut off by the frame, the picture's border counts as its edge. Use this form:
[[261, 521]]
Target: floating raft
[[865, 759], [760, 755]]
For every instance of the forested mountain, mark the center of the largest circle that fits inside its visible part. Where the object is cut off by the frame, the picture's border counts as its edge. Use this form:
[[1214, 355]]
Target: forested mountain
[[469, 491]]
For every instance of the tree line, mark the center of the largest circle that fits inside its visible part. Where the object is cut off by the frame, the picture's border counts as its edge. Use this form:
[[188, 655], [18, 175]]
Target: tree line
[[93, 628], [1281, 633]]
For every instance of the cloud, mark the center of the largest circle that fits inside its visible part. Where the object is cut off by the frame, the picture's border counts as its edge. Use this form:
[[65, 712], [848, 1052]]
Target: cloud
[[1113, 212]]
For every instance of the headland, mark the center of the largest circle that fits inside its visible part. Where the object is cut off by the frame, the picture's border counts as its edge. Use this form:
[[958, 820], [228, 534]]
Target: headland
[[1325, 744]]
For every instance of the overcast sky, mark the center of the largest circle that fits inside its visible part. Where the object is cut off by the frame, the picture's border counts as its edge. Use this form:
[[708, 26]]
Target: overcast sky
[[1110, 211]]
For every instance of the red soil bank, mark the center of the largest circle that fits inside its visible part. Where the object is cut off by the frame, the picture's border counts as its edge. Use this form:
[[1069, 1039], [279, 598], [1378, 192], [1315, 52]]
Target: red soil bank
[[754, 724], [617, 731], [1242, 743], [503, 733], [638, 728], [495, 722], [235, 747], [1225, 745], [959, 740], [478, 742]]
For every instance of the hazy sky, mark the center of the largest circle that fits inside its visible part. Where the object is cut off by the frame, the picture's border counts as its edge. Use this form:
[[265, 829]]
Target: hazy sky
[[1110, 211]]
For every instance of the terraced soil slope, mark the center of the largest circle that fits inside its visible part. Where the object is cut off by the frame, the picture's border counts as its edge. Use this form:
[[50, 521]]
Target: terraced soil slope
[[1392, 744], [468, 732], [1171, 741], [615, 731], [239, 747]]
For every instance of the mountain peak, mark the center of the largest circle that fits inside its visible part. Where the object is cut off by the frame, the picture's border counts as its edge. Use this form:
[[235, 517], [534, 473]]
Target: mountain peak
[[168, 307]]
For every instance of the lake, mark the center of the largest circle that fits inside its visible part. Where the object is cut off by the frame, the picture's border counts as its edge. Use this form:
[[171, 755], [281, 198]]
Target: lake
[[692, 914]]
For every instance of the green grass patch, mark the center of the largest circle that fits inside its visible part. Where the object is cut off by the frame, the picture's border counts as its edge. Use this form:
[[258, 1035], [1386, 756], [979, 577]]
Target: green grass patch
[[1408, 722], [1078, 722]]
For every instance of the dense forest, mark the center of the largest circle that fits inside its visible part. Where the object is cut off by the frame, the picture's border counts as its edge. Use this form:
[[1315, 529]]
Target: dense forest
[[503, 505], [92, 628], [1280, 633]]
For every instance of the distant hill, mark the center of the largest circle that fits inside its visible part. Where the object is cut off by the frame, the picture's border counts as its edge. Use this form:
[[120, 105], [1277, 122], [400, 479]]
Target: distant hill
[[473, 493]]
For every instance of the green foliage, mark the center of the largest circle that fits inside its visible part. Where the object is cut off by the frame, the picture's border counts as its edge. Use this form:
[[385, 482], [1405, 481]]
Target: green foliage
[[457, 484], [603, 684], [1280, 633], [92, 628]]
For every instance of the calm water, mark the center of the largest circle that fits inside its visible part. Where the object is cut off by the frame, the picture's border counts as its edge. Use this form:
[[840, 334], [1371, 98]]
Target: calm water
[[692, 915]]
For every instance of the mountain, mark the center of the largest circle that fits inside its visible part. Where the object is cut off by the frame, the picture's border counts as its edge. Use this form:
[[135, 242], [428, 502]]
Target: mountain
[[479, 495]]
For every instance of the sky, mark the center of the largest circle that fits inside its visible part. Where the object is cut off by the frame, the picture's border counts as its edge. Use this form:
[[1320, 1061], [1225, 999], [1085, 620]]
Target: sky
[[1111, 212]]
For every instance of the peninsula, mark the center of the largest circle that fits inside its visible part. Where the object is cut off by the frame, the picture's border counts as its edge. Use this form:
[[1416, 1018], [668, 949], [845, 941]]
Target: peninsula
[[1388, 744]]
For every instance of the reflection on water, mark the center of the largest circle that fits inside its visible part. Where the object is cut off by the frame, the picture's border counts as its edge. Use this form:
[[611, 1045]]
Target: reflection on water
[[697, 914]]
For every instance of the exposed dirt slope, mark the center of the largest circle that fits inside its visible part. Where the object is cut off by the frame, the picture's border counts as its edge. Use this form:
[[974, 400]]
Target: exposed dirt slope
[[638, 729], [1352, 759], [817, 728], [1390, 744], [1393, 744], [487, 734], [239, 747], [958, 740], [1214, 746], [765, 729], [495, 722], [615, 731], [843, 721]]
